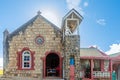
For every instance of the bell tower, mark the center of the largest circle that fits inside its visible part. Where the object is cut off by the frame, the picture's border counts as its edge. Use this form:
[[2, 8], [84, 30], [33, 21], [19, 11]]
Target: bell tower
[[71, 45]]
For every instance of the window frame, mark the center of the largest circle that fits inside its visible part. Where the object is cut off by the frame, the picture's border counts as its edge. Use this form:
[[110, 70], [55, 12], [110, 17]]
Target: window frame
[[23, 61], [42, 41], [20, 60]]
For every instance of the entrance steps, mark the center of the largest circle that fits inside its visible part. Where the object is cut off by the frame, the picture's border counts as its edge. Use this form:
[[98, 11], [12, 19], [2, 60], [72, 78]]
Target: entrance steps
[[53, 78]]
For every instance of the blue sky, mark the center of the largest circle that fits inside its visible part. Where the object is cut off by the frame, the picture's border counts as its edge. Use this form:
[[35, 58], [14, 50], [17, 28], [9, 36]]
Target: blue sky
[[100, 26]]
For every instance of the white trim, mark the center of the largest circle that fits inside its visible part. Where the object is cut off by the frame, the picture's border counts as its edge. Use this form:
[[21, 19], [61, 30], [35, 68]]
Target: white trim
[[73, 11], [67, 30]]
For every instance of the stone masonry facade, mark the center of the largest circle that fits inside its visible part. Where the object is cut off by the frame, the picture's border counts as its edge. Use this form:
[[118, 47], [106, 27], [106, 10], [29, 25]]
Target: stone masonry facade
[[24, 38], [27, 39]]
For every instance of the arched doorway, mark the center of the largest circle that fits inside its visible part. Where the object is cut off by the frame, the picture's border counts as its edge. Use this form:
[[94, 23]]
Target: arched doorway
[[52, 65]]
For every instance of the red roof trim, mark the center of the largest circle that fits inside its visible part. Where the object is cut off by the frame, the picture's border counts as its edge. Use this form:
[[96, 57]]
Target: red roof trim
[[102, 53], [93, 57], [115, 58]]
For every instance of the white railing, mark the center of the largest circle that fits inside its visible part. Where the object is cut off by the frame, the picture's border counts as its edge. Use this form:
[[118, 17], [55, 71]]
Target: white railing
[[103, 74]]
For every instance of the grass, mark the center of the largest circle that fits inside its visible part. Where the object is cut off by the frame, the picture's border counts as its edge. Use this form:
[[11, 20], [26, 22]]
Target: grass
[[1, 72]]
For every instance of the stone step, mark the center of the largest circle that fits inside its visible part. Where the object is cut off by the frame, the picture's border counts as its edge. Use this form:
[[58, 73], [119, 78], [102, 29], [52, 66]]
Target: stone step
[[53, 78], [20, 78], [28, 78]]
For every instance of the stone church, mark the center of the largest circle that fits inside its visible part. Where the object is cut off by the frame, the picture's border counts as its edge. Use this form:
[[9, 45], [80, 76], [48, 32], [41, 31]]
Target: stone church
[[39, 50]]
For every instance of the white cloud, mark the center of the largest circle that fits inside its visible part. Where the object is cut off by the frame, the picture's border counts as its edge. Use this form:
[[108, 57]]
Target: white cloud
[[85, 4], [75, 4], [53, 15], [114, 48], [1, 63], [101, 22]]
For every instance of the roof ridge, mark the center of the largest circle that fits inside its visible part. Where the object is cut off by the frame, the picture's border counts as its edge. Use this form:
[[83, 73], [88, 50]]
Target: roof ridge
[[22, 27], [103, 53]]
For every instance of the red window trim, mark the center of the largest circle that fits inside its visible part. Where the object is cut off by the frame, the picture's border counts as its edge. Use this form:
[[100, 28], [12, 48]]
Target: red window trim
[[19, 59]]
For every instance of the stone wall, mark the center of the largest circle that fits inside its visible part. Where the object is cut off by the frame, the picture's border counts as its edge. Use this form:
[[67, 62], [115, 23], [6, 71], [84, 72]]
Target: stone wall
[[71, 48], [5, 48], [26, 38]]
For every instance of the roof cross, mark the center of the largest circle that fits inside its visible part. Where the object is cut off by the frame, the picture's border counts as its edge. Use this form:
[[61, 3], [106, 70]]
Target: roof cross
[[38, 12]]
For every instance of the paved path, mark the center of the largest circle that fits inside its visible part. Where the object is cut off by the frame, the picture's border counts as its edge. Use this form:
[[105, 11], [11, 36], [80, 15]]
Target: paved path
[[26, 78]]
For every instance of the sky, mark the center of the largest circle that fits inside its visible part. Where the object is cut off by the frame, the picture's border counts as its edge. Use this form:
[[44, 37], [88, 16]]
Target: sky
[[100, 27]]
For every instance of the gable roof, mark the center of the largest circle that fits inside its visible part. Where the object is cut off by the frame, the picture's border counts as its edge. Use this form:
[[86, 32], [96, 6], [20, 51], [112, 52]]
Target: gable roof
[[92, 53], [115, 54], [72, 11], [24, 26]]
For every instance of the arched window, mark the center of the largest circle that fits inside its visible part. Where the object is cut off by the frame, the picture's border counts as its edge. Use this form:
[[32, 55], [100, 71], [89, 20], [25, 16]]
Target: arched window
[[25, 59]]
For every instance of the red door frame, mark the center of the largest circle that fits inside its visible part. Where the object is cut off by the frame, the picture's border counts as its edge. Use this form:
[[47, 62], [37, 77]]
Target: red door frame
[[44, 62]]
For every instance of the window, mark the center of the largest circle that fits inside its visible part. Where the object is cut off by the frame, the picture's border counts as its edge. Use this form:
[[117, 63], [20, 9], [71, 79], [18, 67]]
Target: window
[[39, 40], [85, 63], [25, 59], [97, 66]]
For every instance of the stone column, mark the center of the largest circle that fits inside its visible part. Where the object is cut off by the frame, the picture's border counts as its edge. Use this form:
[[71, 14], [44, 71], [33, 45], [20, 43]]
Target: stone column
[[72, 48]]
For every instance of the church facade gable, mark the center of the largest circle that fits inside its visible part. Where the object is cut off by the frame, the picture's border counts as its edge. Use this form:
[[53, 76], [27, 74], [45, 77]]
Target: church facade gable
[[28, 45]]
